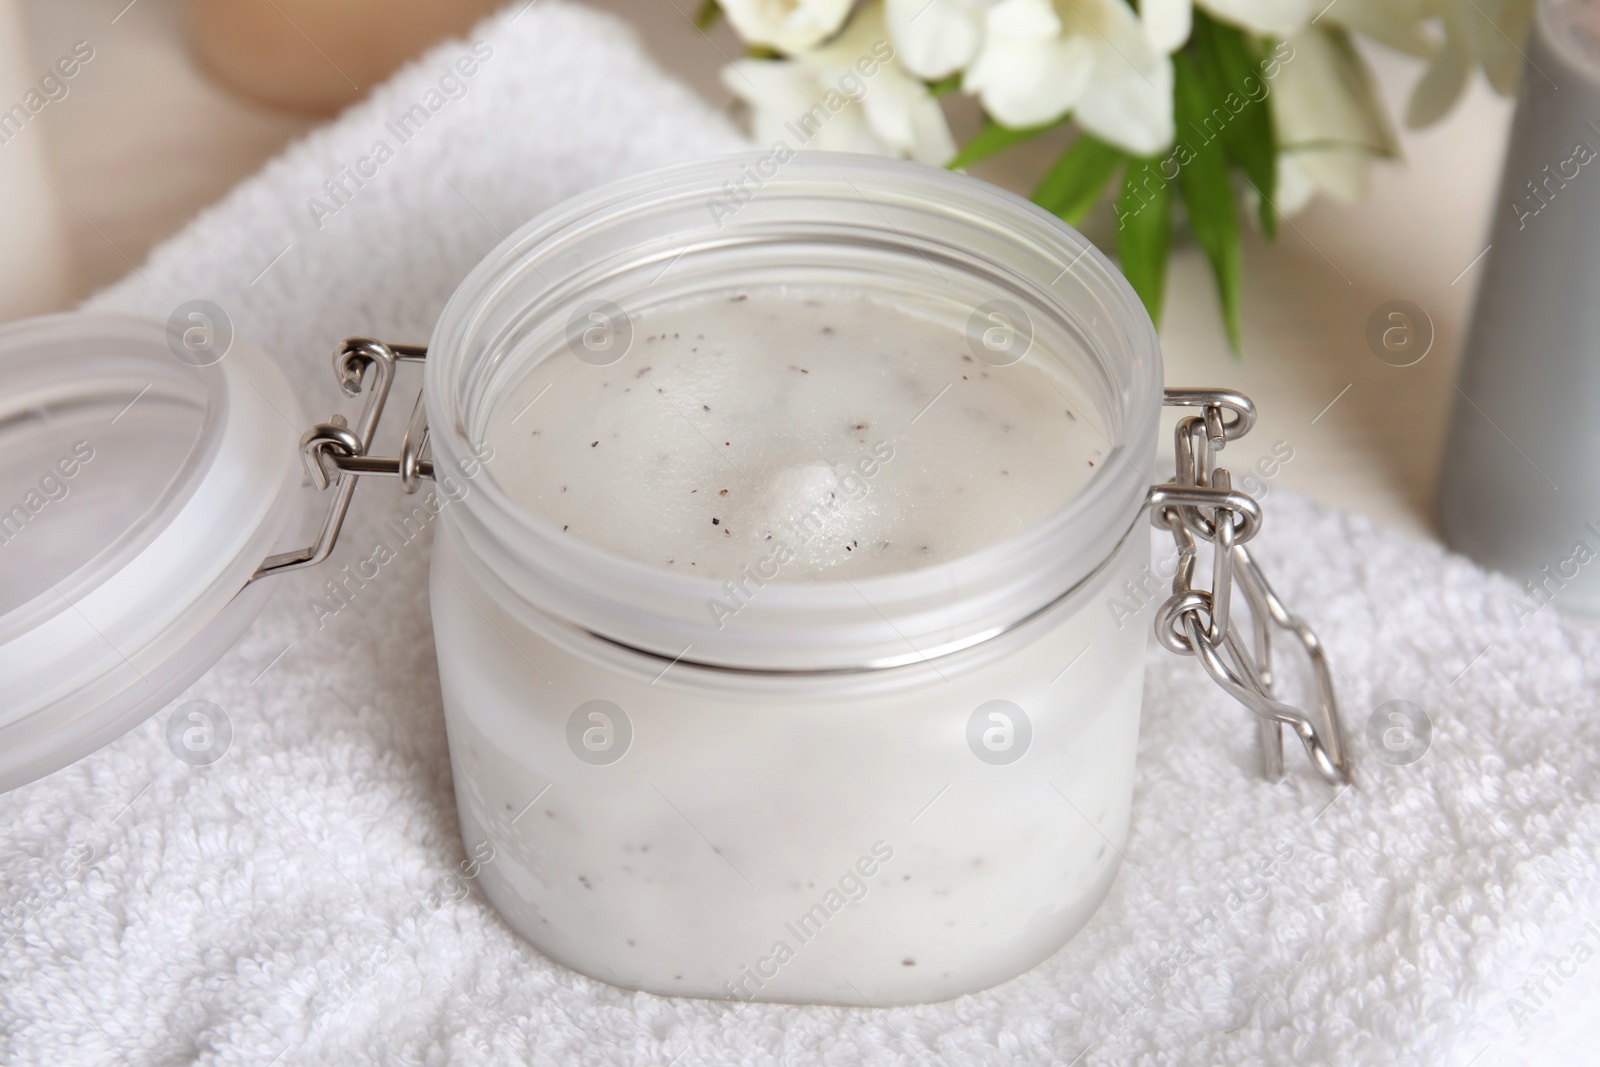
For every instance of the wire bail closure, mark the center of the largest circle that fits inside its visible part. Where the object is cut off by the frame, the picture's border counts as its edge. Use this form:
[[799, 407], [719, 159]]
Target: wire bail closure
[[337, 454], [1200, 504]]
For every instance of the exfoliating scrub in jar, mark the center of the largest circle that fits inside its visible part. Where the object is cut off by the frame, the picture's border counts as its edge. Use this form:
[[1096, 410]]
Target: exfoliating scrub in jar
[[796, 435], [789, 837], [792, 597], [771, 614]]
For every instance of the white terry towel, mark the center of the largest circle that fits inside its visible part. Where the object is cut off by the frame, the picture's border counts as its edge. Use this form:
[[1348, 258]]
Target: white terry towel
[[282, 905]]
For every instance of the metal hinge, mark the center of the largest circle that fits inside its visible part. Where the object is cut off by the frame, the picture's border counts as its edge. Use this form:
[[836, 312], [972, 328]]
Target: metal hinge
[[1200, 503], [337, 454]]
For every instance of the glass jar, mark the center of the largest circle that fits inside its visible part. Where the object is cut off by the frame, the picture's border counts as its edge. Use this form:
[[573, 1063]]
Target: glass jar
[[882, 791]]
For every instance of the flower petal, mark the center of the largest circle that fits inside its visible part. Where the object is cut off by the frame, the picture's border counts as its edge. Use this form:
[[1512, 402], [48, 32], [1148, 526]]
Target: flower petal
[[1324, 97], [935, 38], [1339, 172], [1296, 189], [844, 97], [1128, 106], [1502, 59], [906, 116], [1027, 73], [1128, 100], [1030, 82], [1167, 22], [1440, 87], [1277, 18], [788, 25], [1396, 23], [776, 91]]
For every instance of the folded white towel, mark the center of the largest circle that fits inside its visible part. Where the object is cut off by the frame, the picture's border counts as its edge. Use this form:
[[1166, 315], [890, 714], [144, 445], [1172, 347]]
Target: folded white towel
[[283, 905]]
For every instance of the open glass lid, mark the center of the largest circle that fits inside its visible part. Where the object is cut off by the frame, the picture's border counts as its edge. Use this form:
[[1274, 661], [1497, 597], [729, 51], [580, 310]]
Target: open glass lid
[[148, 471]]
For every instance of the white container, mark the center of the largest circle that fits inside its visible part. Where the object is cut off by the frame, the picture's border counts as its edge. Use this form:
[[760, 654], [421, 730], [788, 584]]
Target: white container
[[892, 790]]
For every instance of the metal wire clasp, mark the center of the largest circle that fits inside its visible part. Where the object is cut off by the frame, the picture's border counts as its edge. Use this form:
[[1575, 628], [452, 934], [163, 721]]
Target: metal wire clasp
[[336, 454], [1201, 504]]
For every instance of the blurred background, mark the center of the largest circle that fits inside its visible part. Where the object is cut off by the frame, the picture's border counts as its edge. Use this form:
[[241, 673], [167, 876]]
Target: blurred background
[[181, 100]]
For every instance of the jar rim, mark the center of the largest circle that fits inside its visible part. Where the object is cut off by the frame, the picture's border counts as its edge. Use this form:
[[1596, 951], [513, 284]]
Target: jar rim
[[562, 573]]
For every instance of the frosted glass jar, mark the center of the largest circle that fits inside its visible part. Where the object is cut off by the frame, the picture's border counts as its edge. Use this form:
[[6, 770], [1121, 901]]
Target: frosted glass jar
[[896, 789]]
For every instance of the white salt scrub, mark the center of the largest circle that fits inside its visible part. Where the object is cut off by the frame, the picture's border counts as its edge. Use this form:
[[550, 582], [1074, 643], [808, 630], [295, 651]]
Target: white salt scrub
[[838, 836], [804, 435]]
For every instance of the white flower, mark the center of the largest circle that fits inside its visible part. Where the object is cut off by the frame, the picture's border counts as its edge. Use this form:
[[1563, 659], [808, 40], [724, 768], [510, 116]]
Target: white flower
[[1454, 35], [1396, 23], [1329, 120], [1169, 21], [1041, 59], [936, 38], [788, 25], [1490, 32], [851, 95]]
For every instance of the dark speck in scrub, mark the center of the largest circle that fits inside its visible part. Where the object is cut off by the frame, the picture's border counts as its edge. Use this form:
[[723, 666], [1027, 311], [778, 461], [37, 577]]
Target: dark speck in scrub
[[1091, 462], [737, 299], [908, 963], [642, 372], [827, 330], [594, 444], [716, 522], [585, 880], [722, 492]]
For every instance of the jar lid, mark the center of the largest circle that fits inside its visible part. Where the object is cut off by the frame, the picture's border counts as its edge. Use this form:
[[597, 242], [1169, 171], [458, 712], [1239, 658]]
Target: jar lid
[[149, 469]]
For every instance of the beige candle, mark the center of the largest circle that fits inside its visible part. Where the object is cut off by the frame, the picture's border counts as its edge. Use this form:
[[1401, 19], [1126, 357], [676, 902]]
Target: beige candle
[[318, 55]]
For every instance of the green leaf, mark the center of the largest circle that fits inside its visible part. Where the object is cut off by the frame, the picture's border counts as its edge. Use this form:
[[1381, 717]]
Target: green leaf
[[994, 138], [1208, 194], [1144, 231], [706, 17], [1079, 175], [1237, 108], [945, 85]]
